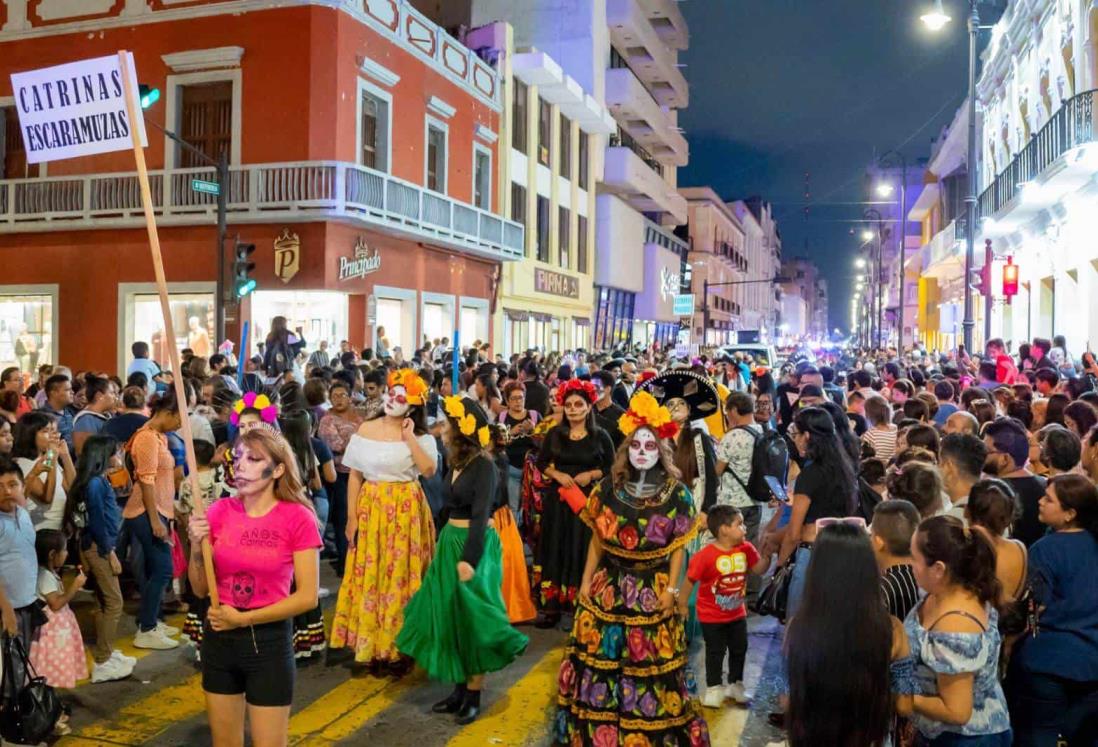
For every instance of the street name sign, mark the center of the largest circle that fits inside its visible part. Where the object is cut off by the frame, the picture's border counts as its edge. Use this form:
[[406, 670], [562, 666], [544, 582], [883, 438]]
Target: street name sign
[[210, 188]]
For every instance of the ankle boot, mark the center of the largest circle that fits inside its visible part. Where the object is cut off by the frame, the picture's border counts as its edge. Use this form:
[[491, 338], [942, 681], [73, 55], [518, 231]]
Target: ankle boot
[[470, 708], [452, 703]]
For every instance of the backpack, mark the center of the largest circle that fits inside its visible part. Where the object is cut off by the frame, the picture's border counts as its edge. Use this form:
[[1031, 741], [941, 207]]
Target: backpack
[[279, 358], [867, 498], [769, 458]]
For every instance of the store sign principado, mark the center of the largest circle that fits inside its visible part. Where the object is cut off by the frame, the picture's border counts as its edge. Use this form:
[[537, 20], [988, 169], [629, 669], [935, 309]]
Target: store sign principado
[[364, 261]]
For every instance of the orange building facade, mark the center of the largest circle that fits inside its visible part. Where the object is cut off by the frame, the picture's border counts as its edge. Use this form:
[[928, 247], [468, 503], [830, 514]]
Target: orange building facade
[[361, 141]]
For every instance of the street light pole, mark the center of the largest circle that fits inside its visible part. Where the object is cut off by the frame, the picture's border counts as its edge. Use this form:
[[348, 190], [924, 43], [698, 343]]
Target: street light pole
[[901, 223], [969, 323], [874, 214]]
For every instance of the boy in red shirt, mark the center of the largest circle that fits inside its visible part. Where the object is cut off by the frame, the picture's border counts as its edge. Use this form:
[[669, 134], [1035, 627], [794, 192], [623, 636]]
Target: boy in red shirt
[[720, 570]]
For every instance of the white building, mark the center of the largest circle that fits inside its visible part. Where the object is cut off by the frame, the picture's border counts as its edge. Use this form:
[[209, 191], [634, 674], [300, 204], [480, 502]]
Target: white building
[[625, 52], [718, 256], [1038, 160]]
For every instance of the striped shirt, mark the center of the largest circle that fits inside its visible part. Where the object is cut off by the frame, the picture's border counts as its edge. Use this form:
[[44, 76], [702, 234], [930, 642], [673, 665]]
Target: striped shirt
[[883, 441], [899, 589]]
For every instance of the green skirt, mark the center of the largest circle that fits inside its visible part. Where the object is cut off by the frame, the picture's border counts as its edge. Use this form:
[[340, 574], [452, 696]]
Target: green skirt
[[457, 630]]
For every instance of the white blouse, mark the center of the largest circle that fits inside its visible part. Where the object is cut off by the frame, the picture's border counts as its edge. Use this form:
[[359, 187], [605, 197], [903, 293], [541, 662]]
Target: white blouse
[[386, 461]]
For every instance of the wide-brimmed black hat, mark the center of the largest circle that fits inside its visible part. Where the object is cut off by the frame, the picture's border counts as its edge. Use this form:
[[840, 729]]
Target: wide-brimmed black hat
[[697, 390]]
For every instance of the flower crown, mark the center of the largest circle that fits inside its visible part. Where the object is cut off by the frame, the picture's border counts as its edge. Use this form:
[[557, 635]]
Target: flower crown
[[466, 421], [644, 411], [415, 388], [585, 388], [252, 401]]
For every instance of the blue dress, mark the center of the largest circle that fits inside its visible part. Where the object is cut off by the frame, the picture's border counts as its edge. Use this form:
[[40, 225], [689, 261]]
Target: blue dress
[[937, 652]]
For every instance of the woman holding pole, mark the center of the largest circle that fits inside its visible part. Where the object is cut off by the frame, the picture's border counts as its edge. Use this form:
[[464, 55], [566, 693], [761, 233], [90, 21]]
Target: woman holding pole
[[247, 645]]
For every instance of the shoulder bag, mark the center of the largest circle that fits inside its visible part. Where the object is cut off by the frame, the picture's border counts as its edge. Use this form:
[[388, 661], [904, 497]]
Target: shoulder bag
[[30, 709], [773, 599]]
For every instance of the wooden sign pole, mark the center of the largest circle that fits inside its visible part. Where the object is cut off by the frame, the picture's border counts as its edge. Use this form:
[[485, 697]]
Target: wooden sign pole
[[165, 308]]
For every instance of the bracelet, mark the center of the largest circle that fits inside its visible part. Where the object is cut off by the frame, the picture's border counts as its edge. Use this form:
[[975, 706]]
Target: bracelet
[[674, 592]]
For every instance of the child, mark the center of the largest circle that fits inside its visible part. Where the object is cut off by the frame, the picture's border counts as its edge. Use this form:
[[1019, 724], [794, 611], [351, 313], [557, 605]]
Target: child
[[894, 521], [720, 570], [57, 652], [19, 611], [882, 433]]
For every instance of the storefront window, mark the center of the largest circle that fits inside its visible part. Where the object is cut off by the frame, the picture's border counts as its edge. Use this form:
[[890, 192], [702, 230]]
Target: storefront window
[[390, 315], [192, 322], [321, 315], [26, 330], [436, 323], [516, 332]]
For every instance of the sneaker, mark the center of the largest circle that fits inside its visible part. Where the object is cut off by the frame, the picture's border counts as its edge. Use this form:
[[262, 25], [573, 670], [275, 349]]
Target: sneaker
[[165, 629], [153, 639], [736, 692], [119, 656], [714, 697], [111, 669], [323, 592]]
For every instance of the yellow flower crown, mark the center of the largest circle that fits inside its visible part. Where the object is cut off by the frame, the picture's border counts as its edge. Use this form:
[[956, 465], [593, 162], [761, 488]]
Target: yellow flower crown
[[645, 411], [466, 421], [415, 388]]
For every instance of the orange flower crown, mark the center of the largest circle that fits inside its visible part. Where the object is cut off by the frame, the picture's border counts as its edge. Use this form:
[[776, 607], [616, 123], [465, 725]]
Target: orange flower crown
[[645, 411], [415, 388]]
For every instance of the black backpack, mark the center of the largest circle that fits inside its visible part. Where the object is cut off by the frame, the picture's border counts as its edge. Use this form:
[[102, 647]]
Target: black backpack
[[769, 458], [279, 358]]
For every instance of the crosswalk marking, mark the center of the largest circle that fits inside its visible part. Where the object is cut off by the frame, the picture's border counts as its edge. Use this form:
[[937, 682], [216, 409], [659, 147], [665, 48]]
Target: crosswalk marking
[[144, 719], [512, 720], [346, 708]]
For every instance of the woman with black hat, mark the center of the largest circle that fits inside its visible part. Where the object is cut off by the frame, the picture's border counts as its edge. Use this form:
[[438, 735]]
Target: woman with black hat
[[576, 454], [456, 626]]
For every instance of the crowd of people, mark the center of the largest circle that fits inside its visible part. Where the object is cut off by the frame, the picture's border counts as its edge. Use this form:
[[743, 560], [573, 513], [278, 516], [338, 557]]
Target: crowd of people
[[925, 528]]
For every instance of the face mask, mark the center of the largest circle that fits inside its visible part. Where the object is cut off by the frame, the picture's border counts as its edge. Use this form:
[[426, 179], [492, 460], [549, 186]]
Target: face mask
[[395, 402], [644, 452]]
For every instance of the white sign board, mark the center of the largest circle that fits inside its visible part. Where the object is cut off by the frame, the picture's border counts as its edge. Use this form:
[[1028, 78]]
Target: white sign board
[[76, 109]]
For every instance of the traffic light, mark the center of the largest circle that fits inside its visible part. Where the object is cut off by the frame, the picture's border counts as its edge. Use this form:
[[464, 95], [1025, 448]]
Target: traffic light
[[148, 95], [243, 281], [980, 280], [1010, 278]]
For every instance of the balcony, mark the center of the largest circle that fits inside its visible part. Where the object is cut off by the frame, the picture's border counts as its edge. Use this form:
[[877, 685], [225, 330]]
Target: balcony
[[667, 20], [535, 68], [639, 115], [944, 255], [1046, 158], [654, 62], [261, 193], [632, 178]]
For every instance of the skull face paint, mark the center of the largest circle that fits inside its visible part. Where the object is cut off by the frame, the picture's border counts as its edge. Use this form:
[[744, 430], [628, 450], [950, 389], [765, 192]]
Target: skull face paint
[[644, 449], [395, 402]]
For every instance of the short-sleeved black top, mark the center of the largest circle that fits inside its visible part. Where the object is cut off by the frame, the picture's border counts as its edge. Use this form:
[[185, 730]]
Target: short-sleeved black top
[[827, 498]]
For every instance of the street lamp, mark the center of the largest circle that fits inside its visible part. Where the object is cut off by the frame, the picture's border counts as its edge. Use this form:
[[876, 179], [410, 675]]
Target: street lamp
[[860, 261], [872, 214], [884, 189], [867, 235], [935, 21], [901, 234]]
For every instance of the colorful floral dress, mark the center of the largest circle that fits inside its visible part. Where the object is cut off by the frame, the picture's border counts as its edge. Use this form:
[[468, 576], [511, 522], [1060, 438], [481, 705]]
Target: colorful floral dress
[[622, 679]]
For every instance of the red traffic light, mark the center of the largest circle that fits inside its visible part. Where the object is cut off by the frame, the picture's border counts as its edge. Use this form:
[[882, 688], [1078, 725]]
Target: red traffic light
[[1010, 278]]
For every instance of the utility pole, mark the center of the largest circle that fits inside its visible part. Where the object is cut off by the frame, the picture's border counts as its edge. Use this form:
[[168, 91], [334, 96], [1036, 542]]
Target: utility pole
[[969, 323]]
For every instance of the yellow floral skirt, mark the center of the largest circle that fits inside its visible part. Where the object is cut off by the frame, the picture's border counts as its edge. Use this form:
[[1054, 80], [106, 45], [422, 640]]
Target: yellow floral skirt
[[393, 548]]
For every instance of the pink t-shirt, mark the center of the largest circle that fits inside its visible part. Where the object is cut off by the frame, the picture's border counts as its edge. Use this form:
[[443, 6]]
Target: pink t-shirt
[[254, 555]]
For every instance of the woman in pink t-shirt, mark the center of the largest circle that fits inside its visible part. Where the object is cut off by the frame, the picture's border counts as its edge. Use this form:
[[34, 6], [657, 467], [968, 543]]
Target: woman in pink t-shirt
[[263, 539]]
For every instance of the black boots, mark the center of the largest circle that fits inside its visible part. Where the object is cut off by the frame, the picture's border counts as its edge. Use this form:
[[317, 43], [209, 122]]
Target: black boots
[[470, 708], [453, 702]]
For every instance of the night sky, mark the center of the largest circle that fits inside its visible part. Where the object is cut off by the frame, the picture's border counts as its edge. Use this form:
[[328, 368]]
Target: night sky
[[783, 87]]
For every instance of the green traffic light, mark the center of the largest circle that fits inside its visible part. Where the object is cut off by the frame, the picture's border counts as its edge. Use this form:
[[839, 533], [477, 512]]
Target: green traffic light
[[149, 95], [245, 288]]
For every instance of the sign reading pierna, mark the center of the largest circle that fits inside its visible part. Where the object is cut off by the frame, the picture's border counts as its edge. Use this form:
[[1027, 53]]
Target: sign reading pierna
[[75, 109]]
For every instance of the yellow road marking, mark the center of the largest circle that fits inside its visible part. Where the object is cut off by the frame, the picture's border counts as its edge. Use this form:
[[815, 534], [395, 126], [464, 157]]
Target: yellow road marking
[[144, 719], [513, 719], [726, 723], [124, 644], [343, 710]]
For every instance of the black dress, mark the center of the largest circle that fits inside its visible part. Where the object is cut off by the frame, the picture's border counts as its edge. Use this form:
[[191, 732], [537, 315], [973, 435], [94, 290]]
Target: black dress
[[562, 550]]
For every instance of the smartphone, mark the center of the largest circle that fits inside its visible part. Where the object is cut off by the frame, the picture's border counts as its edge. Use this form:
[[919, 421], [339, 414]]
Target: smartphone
[[777, 489]]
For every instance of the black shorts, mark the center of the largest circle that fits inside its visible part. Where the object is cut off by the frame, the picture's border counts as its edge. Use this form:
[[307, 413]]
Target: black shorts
[[257, 661]]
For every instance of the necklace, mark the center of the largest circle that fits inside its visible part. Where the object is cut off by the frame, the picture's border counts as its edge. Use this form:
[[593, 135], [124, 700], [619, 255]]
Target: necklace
[[577, 437]]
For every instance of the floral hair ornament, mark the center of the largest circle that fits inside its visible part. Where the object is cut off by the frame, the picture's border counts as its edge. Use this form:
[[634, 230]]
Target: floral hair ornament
[[577, 386], [469, 418], [252, 401], [415, 388], [645, 412]]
